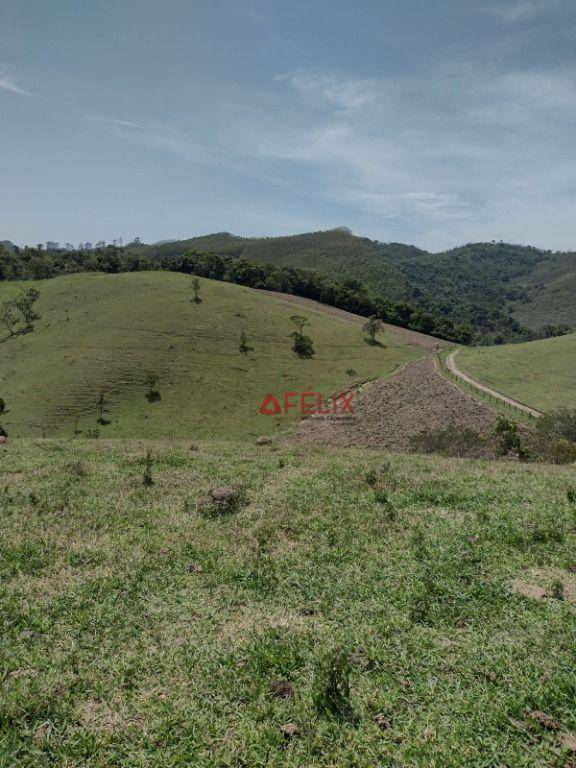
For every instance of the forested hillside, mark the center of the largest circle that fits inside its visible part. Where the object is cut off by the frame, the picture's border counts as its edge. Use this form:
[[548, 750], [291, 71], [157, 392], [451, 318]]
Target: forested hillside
[[505, 292]]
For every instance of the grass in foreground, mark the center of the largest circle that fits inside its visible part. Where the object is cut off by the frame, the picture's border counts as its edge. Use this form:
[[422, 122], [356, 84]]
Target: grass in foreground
[[541, 374], [347, 612], [112, 335]]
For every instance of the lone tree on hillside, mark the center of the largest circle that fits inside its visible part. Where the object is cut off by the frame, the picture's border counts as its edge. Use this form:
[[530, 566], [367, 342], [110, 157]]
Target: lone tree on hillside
[[243, 346], [102, 403], [2, 406], [303, 345], [196, 289], [372, 327], [18, 315]]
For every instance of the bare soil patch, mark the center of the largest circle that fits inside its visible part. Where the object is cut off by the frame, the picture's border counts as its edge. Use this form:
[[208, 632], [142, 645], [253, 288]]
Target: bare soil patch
[[392, 411]]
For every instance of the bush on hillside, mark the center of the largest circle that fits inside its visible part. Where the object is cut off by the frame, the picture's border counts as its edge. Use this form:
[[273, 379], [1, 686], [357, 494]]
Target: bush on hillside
[[554, 438], [508, 441], [453, 441]]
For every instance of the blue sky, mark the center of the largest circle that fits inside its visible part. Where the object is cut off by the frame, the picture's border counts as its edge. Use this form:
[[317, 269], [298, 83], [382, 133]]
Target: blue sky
[[434, 123]]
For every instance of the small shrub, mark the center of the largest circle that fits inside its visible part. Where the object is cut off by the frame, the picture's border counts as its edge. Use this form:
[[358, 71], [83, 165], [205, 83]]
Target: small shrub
[[243, 346], [224, 500], [332, 686], [371, 477], [3, 432], [508, 440], [381, 497], [557, 590], [152, 393], [77, 469], [571, 495], [558, 425], [560, 452]]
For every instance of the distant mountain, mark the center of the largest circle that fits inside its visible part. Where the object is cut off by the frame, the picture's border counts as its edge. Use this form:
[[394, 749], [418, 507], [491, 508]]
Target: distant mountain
[[7, 244], [502, 290]]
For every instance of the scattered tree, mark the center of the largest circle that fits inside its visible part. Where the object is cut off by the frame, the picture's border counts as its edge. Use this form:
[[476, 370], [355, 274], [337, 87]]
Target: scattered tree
[[2, 406], [243, 346], [303, 345], [102, 403], [153, 394], [18, 315], [372, 327], [196, 289]]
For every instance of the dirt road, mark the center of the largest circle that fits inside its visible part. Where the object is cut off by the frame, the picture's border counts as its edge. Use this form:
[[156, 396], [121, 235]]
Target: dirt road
[[453, 368]]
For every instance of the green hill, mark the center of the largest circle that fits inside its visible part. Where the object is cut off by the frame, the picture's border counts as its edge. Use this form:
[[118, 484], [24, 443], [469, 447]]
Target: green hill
[[541, 374], [113, 335], [506, 292], [337, 253]]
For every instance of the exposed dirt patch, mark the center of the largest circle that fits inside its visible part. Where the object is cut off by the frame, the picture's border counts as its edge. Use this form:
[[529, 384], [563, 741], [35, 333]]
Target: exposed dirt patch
[[393, 410], [538, 584]]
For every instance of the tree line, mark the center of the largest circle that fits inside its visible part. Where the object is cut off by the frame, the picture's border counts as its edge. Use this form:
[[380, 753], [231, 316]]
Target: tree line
[[347, 294]]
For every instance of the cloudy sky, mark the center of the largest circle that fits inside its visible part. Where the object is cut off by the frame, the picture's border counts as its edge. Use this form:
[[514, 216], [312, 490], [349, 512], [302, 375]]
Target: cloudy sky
[[434, 123]]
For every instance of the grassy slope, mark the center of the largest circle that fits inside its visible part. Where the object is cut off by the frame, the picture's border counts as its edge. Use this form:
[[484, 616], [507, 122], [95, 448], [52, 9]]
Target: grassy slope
[[118, 650], [541, 374], [486, 275], [123, 329]]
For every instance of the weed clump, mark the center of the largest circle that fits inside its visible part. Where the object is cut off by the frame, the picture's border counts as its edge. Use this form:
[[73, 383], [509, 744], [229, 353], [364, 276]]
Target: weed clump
[[382, 498], [147, 479], [224, 500], [77, 469], [332, 686], [557, 590]]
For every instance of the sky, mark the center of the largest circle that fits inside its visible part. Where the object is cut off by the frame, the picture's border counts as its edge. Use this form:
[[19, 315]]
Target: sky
[[428, 122]]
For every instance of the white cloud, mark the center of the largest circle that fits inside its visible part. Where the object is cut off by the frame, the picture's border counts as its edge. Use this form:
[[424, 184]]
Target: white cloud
[[113, 121], [457, 155], [329, 90], [519, 12], [8, 84]]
